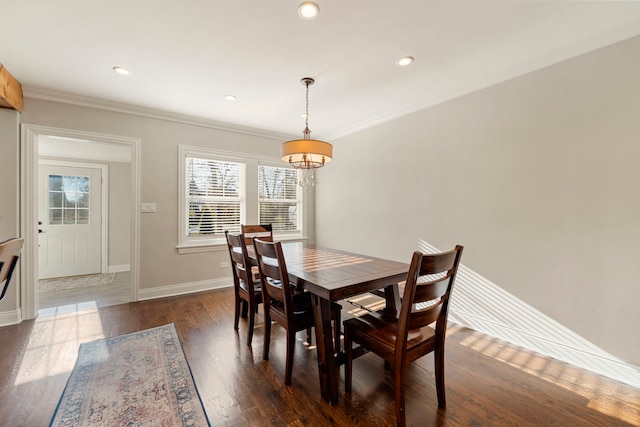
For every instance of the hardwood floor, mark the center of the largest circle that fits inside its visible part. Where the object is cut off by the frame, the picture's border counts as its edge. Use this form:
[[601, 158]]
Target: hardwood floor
[[488, 382]]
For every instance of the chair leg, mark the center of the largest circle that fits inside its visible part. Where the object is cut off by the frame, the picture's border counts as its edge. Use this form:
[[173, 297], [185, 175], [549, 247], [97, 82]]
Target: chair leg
[[399, 379], [349, 362], [245, 308], [438, 355], [336, 331], [252, 319], [291, 340], [309, 339], [236, 316], [267, 336]]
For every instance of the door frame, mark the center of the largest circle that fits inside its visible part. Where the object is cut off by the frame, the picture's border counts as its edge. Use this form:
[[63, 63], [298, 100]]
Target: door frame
[[29, 208], [104, 214]]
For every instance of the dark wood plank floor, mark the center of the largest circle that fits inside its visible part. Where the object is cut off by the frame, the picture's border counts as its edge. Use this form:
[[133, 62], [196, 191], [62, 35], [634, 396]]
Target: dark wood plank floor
[[489, 382]]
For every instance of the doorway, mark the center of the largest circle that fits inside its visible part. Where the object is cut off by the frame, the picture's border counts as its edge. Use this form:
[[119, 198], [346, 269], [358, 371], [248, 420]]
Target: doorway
[[78, 215]]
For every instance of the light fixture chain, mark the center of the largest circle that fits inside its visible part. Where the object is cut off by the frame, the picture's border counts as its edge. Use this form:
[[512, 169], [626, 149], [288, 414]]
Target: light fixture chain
[[306, 112]]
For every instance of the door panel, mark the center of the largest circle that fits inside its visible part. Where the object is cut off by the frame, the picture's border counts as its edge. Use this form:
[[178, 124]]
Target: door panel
[[70, 212]]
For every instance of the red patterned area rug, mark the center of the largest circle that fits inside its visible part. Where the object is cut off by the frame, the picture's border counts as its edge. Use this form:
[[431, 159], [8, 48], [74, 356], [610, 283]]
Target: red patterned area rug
[[138, 379]]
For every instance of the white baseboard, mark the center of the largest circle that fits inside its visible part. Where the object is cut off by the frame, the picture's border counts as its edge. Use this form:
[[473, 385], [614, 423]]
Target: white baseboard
[[184, 288], [118, 268], [10, 317]]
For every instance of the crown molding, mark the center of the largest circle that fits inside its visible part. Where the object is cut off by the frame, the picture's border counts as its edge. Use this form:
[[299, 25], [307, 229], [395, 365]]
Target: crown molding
[[619, 32], [104, 104]]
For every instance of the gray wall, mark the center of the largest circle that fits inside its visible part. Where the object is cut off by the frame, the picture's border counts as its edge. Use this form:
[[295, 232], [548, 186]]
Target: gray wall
[[160, 263], [9, 176], [119, 213], [537, 177]]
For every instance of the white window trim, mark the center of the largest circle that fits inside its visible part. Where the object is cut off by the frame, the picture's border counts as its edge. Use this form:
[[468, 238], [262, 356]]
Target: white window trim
[[250, 215]]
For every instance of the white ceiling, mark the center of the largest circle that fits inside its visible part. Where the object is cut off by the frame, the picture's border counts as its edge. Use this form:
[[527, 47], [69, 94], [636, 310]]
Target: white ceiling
[[186, 55]]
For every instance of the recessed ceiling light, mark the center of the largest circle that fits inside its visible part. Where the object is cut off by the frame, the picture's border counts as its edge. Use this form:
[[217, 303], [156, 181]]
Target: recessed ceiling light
[[405, 61], [230, 97], [122, 71], [308, 10]]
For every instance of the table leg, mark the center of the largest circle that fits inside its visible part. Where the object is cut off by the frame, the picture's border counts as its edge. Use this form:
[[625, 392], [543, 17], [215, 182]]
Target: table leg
[[327, 366], [392, 297]]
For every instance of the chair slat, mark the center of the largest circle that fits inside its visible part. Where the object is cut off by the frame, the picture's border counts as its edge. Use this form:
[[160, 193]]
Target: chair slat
[[9, 255], [9, 249], [263, 232], [438, 263], [425, 317], [430, 291]]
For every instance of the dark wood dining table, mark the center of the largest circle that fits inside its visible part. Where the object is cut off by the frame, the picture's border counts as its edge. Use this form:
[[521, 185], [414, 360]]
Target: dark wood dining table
[[331, 275]]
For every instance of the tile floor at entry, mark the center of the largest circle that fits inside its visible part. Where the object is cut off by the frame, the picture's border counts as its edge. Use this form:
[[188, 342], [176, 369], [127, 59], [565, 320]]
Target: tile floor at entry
[[67, 300]]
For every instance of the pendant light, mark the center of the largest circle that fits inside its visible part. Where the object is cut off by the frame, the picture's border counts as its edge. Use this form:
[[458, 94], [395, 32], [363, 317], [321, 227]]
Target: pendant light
[[307, 154]]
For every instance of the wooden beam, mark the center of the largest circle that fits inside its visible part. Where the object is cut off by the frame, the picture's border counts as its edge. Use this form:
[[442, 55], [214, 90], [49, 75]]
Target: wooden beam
[[10, 91]]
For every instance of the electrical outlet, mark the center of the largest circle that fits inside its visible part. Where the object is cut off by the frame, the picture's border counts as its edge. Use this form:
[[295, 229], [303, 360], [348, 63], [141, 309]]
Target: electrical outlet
[[224, 265], [148, 207]]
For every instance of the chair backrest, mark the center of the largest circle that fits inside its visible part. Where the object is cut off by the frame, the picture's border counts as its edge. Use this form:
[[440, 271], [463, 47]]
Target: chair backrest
[[240, 263], [427, 292], [263, 232], [274, 276], [9, 255]]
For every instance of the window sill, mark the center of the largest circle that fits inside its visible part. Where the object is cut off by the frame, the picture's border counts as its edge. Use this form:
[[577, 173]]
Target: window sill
[[289, 238], [195, 248]]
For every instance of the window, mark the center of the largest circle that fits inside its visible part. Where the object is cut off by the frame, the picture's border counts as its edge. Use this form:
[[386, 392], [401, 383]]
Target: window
[[279, 198], [68, 200], [221, 190], [214, 196]]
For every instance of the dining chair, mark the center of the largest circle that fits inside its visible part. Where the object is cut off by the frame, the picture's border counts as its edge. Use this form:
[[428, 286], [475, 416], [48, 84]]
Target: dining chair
[[403, 339], [290, 309], [9, 255], [263, 232], [248, 291]]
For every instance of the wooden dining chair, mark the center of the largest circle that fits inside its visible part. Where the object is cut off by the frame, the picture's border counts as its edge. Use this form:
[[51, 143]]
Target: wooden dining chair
[[9, 255], [263, 232], [248, 291], [290, 309], [400, 341]]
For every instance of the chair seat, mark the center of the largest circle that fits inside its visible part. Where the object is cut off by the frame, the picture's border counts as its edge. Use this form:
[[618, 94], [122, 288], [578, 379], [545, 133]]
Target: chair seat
[[381, 330], [256, 287], [302, 304]]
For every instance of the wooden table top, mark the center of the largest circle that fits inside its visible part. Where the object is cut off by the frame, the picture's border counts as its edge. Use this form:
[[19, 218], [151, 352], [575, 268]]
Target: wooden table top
[[334, 275]]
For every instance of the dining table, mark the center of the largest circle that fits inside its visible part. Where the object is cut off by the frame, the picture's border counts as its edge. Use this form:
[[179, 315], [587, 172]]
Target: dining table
[[331, 275]]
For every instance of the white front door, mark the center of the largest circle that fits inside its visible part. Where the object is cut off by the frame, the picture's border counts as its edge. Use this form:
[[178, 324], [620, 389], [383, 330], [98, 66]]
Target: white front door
[[70, 221]]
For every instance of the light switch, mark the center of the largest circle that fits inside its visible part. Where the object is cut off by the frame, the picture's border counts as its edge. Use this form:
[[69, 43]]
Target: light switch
[[148, 207]]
